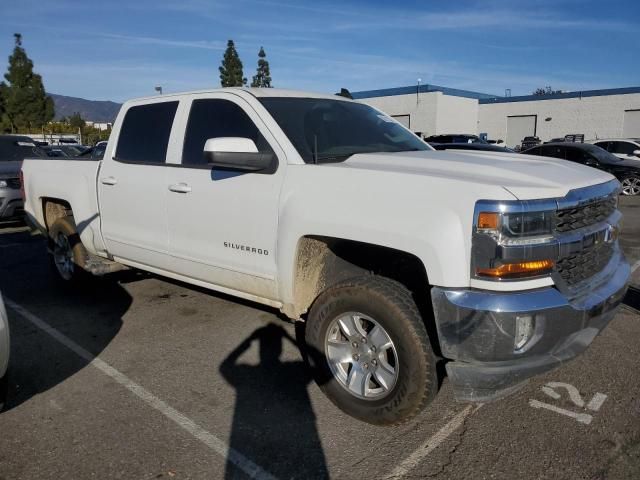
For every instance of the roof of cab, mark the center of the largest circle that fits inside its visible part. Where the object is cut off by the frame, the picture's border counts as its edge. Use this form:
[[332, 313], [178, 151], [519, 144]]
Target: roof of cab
[[256, 92]]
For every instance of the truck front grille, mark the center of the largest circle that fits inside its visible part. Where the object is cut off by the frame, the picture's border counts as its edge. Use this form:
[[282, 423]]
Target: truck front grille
[[582, 266], [585, 215]]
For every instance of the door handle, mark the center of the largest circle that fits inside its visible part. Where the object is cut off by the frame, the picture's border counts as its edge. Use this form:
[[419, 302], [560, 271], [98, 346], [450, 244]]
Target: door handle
[[180, 188], [108, 180]]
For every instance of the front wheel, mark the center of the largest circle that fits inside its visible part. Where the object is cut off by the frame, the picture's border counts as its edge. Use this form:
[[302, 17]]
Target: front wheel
[[369, 350], [631, 185]]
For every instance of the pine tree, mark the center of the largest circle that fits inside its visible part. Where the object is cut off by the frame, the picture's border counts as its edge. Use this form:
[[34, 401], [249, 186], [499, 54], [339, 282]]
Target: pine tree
[[262, 77], [231, 74], [25, 103]]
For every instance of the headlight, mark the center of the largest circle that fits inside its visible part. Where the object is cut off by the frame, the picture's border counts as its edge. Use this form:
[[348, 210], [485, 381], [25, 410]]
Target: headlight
[[517, 228], [3, 184], [511, 243]]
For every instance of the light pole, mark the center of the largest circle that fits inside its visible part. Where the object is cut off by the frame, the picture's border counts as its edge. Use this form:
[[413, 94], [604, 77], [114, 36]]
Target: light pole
[[159, 90], [418, 91]]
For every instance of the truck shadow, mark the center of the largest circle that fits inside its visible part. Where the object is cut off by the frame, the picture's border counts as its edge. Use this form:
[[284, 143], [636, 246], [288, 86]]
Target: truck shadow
[[273, 420], [38, 362]]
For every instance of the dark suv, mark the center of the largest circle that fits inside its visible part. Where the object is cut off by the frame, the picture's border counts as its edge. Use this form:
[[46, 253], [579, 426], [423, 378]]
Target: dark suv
[[627, 171], [13, 149]]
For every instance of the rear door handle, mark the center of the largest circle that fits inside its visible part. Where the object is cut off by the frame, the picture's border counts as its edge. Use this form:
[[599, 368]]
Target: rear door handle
[[108, 180], [180, 188]]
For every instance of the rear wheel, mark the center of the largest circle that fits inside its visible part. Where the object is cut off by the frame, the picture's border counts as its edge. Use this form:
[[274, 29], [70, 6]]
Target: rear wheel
[[68, 254], [369, 350], [631, 185]]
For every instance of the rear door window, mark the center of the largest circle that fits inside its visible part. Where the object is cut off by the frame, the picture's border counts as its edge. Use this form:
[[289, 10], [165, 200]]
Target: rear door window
[[577, 155], [624, 148], [144, 135], [605, 145]]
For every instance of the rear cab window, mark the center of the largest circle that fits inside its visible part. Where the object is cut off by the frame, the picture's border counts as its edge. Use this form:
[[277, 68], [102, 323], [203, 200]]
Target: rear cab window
[[144, 134]]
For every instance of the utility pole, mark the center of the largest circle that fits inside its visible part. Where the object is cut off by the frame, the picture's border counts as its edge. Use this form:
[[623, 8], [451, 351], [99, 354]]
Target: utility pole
[[418, 91]]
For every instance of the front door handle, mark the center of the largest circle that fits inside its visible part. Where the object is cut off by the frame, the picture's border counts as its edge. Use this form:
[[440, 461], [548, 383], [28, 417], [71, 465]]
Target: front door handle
[[180, 188], [109, 180]]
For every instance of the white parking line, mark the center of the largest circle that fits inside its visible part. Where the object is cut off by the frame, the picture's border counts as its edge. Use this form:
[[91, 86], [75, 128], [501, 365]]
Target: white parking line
[[214, 443], [432, 443]]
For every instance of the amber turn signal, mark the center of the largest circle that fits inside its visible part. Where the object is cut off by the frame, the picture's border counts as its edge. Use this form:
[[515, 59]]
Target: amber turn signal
[[515, 270], [488, 221]]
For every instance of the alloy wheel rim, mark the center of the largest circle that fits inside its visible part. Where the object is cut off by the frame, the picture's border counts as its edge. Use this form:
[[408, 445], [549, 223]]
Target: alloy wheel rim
[[631, 186], [361, 356], [63, 256]]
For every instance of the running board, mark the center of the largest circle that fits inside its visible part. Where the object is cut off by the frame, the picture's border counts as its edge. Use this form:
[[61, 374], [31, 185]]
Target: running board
[[101, 266]]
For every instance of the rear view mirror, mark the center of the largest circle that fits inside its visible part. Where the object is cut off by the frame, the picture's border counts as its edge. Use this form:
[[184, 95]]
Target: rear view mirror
[[592, 162], [236, 153]]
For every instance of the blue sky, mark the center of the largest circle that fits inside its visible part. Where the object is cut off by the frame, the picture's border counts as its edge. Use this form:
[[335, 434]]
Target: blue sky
[[114, 50]]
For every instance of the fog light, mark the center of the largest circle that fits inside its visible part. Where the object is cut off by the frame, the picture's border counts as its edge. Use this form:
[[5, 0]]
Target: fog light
[[524, 331]]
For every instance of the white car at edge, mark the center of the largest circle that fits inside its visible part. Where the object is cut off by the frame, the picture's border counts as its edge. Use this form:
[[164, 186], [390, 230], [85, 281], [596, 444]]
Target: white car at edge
[[4, 353]]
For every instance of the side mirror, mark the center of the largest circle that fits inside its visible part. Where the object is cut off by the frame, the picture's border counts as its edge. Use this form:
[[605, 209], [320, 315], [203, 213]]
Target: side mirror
[[636, 153], [236, 153]]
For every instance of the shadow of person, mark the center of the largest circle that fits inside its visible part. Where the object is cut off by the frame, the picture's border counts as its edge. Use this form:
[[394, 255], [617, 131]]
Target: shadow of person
[[273, 421]]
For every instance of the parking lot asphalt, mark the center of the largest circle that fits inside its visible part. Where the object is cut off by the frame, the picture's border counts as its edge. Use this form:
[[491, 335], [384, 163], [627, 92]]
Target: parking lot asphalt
[[136, 377]]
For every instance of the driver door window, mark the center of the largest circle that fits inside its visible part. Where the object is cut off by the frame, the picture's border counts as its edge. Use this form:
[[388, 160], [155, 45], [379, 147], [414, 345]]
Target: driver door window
[[212, 118]]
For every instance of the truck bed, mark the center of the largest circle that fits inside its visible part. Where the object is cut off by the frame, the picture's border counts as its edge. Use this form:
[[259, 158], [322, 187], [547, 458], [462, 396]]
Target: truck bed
[[72, 180]]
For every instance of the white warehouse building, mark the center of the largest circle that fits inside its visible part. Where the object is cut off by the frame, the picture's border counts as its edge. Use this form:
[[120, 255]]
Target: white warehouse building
[[434, 110]]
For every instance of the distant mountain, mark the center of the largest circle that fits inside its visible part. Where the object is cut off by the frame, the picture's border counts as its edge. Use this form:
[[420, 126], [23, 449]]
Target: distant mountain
[[91, 110]]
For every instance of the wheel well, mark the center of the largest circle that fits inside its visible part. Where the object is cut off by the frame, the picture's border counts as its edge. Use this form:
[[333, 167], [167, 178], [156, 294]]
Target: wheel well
[[53, 209], [324, 261]]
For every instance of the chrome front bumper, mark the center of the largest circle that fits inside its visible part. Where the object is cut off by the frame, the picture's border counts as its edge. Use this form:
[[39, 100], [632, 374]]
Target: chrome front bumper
[[477, 330]]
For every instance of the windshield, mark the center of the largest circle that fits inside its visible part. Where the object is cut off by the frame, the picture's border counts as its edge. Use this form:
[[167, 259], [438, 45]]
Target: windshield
[[332, 130]]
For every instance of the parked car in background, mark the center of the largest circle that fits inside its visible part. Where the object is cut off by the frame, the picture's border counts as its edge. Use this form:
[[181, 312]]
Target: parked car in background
[[454, 138], [624, 148], [13, 150], [480, 147], [94, 153], [626, 171], [53, 151], [528, 142], [72, 150], [4, 354]]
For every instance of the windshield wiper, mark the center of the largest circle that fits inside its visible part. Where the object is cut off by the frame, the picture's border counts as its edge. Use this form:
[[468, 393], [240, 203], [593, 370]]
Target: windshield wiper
[[332, 158]]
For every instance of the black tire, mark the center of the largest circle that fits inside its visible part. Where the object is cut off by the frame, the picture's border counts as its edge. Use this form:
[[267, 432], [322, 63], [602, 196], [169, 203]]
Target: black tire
[[64, 230], [392, 307], [4, 390], [631, 185]]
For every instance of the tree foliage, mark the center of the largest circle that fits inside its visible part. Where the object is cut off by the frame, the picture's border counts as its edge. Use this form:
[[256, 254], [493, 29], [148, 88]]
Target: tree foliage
[[545, 91], [24, 103], [262, 78], [231, 74], [76, 121]]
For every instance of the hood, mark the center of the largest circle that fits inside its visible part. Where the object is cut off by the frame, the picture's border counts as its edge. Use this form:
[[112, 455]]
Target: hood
[[527, 177], [10, 169]]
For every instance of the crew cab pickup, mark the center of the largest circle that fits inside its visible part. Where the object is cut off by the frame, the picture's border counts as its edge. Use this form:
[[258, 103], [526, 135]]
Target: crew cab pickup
[[395, 255]]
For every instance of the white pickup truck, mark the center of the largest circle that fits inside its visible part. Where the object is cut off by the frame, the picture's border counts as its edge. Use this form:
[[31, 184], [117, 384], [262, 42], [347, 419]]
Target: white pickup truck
[[395, 255]]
